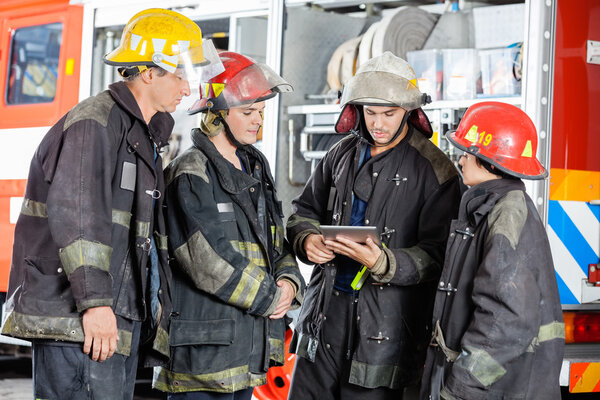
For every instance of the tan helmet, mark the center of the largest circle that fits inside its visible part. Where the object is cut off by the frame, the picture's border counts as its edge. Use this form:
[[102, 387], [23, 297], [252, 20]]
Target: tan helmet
[[159, 37], [384, 80]]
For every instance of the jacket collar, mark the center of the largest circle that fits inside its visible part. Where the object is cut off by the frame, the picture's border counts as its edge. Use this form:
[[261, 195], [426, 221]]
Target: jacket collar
[[161, 124], [480, 199], [231, 179]]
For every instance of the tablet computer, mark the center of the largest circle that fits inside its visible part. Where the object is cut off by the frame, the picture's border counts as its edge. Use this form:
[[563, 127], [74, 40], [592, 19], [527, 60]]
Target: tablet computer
[[358, 234]]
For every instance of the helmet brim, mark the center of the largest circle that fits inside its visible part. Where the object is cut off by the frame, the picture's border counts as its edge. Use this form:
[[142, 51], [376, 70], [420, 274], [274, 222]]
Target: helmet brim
[[525, 169]]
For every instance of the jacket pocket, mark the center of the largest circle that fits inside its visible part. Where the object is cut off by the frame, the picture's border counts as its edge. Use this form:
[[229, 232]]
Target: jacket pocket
[[126, 298], [227, 219], [189, 333], [46, 289]]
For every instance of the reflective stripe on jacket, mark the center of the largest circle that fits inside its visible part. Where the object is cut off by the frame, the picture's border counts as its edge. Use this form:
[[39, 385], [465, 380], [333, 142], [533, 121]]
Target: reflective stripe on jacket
[[413, 193], [83, 234], [497, 304], [226, 235]]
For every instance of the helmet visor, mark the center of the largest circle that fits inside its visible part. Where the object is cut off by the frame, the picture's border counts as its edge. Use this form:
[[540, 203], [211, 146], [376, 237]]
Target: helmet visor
[[201, 63], [256, 82]]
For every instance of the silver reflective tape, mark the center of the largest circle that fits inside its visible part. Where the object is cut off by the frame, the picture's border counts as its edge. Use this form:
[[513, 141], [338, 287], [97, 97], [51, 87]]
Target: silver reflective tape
[[225, 207]]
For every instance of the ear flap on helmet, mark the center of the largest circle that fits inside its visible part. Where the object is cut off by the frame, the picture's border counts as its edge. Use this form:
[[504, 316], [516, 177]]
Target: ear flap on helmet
[[347, 120], [419, 120]]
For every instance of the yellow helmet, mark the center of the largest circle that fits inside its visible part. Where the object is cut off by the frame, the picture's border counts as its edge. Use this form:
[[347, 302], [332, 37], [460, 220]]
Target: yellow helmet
[[159, 37]]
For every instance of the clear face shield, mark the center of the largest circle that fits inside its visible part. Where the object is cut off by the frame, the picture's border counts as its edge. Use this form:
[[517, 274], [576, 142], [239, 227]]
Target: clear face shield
[[256, 82], [195, 65]]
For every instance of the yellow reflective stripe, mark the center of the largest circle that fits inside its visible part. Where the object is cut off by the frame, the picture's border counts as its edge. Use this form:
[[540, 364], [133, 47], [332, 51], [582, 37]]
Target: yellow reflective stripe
[[226, 381], [251, 251], [161, 241], [277, 235], [286, 262], [553, 330], [161, 341], [121, 218], [276, 350], [85, 253], [247, 288], [56, 328], [481, 365], [34, 208], [124, 342], [142, 229]]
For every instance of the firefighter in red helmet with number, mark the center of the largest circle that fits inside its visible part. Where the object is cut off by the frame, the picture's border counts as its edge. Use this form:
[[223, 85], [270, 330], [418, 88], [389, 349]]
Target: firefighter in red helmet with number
[[498, 328], [234, 275]]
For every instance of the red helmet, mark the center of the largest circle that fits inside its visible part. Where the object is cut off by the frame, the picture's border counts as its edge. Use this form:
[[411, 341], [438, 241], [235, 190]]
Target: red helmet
[[244, 81], [502, 135]]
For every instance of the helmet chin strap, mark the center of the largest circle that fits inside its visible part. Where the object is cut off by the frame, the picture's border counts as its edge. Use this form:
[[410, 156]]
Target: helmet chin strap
[[228, 132], [360, 137]]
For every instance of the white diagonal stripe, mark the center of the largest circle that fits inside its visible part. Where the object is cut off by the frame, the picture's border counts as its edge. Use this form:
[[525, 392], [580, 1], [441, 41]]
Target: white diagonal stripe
[[135, 41], [158, 45], [184, 46], [565, 265], [585, 221]]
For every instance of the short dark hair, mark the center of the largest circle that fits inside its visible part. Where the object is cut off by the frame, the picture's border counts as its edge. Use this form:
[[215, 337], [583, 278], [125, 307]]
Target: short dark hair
[[131, 73], [493, 169]]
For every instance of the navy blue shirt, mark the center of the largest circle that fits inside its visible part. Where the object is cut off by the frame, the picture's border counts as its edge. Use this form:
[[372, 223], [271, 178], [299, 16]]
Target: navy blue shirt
[[347, 267]]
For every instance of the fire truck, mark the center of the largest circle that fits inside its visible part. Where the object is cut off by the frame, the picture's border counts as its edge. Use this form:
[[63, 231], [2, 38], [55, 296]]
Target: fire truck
[[51, 58]]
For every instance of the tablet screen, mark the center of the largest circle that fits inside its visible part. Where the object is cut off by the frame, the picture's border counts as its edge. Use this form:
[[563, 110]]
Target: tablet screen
[[358, 234]]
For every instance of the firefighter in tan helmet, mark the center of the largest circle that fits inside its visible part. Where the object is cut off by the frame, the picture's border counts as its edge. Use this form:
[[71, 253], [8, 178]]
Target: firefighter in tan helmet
[[364, 326], [89, 275]]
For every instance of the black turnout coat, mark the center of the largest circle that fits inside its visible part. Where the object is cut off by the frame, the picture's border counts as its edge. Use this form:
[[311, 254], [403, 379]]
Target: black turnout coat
[[413, 193], [83, 236], [227, 239], [500, 333]]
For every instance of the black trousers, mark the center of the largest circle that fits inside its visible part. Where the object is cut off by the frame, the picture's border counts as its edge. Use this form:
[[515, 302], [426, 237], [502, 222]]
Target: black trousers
[[62, 371], [244, 394], [327, 377]]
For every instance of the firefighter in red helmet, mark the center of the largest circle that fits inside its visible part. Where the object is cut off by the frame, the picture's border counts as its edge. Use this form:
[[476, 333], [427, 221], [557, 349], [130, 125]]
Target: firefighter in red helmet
[[234, 277], [498, 328]]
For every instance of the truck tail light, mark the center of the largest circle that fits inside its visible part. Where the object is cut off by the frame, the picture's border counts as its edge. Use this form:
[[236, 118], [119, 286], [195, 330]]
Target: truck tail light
[[582, 327]]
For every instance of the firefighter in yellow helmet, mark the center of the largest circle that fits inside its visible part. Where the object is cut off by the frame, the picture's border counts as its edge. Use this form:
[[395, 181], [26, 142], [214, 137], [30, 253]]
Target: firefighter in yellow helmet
[[89, 268]]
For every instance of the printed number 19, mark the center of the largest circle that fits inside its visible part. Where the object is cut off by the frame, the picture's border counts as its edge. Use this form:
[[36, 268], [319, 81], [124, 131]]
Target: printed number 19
[[486, 140]]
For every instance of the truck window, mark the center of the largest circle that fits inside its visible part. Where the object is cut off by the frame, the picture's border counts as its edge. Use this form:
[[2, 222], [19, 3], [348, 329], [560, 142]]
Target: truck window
[[33, 65]]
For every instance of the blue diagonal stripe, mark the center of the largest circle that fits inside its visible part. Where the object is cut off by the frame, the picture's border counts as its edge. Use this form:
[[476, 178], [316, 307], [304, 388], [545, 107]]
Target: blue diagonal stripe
[[568, 233], [595, 210], [566, 296]]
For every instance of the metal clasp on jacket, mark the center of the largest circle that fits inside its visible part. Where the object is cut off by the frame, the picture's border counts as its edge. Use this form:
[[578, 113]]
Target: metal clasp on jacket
[[398, 179], [155, 194], [379, 337], [146, 246], [448, 289], [465, 232], [336, 217], [387, 232]]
